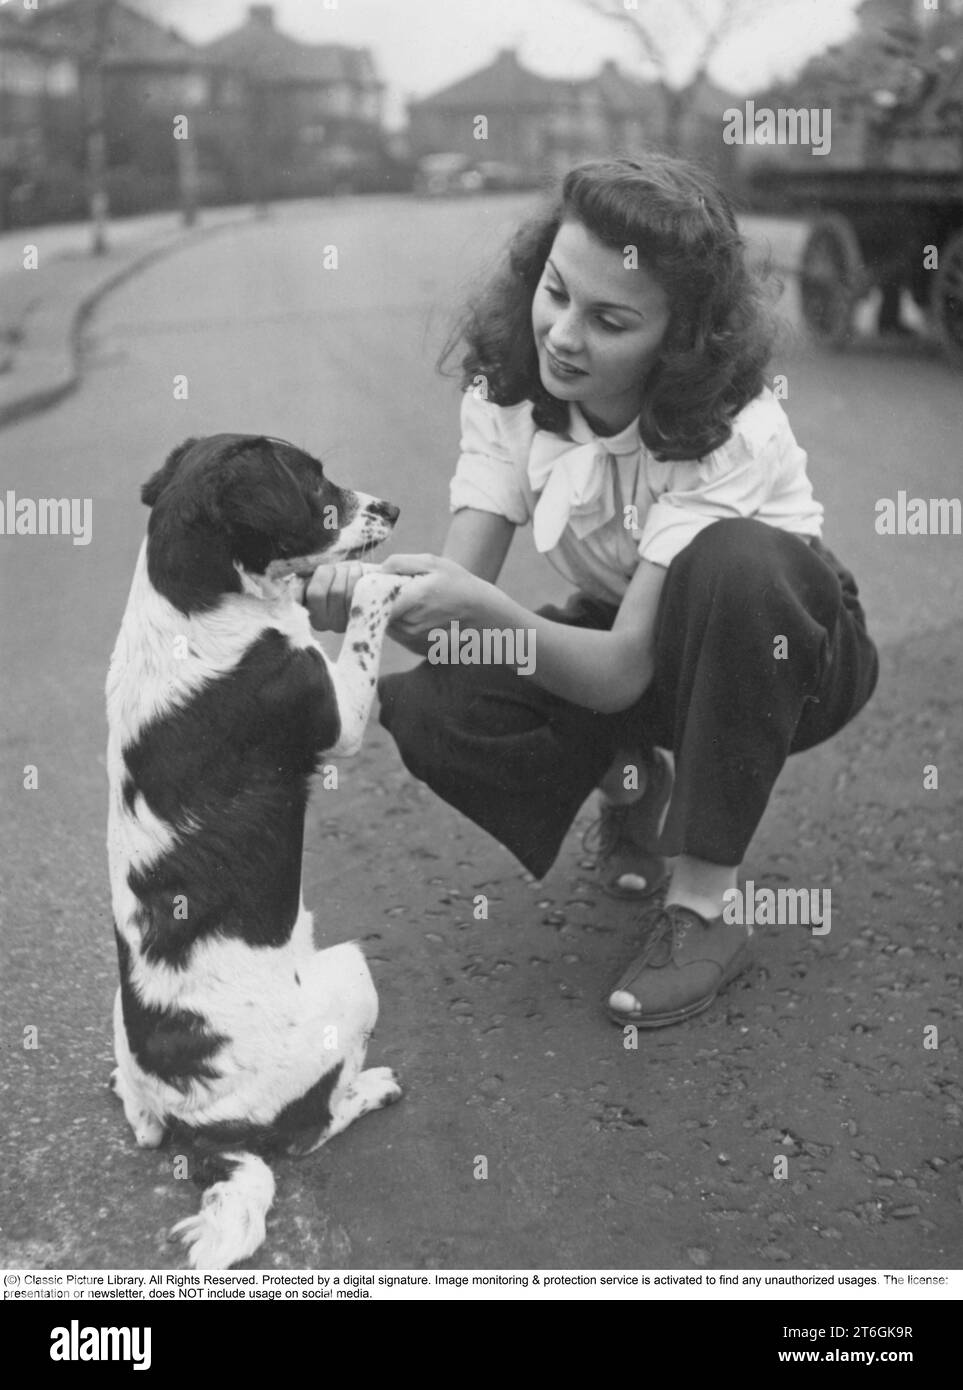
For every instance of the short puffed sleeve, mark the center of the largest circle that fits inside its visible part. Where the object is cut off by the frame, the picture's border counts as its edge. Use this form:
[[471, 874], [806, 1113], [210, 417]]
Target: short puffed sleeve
[[759, 472], [487, 475]]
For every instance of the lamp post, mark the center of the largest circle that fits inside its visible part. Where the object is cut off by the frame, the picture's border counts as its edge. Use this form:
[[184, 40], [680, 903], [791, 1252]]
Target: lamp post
[[188, 175], [96, 132]]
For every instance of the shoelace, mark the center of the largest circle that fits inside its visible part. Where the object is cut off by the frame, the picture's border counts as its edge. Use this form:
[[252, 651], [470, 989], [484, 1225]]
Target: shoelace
[[669, 929], [611, 830], [606, 834]]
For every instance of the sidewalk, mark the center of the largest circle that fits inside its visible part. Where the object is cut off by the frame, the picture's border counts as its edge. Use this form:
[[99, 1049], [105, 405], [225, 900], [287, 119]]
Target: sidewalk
[[43, 311]]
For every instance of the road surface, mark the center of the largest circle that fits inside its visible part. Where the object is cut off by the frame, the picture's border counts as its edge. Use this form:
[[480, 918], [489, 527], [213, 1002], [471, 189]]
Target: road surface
[[596, 1155]]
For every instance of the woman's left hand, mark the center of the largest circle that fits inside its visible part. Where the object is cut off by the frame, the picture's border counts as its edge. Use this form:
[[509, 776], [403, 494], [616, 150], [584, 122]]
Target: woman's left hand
[[441, 593]]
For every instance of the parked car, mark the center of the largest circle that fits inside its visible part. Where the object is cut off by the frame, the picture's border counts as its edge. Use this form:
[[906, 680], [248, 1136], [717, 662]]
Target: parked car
[[501, 177], [439, 174]]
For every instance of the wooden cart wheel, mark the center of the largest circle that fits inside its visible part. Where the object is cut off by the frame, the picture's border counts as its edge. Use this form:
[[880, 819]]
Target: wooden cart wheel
[[831, 279], [946, 304]]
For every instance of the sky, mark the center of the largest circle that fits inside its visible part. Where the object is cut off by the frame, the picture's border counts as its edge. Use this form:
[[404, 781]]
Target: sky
[[420, 46]]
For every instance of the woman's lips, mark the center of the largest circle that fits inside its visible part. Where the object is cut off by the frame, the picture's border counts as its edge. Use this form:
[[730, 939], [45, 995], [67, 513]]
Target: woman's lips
[[562, 368]]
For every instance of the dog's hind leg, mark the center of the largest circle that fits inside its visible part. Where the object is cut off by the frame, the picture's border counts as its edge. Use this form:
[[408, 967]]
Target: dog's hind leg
[[344, 1010], [372, 1089], [148, 1129]]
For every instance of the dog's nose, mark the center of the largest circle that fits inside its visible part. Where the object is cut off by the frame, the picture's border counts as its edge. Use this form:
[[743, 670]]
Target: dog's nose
[[387, 510]]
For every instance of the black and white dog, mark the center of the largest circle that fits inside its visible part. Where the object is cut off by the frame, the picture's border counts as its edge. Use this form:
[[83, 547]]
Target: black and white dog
[[230, 1030]]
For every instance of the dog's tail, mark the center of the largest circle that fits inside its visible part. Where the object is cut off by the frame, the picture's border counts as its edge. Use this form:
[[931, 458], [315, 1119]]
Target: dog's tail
[[230, 1224]]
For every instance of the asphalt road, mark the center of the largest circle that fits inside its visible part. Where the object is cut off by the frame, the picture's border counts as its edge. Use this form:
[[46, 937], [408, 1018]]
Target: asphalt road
[[597, 1156]]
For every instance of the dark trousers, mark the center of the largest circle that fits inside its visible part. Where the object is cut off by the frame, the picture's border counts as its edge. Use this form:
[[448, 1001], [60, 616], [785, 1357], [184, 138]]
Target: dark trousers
[[761, 651]]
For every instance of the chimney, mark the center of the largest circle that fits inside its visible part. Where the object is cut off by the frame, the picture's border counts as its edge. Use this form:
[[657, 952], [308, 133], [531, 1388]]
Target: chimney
[[262, 15]]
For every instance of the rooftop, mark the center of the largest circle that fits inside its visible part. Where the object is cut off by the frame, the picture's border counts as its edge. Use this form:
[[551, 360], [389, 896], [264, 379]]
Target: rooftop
[[260, 48], [127, 35], [503, 83]]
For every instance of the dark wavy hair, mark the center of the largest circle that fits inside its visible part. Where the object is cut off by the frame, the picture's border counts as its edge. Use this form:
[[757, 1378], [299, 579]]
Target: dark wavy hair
[[717, 344]]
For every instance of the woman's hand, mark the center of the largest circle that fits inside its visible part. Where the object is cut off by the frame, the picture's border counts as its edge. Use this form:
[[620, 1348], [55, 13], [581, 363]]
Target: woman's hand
[[441, 593], [328, 595]]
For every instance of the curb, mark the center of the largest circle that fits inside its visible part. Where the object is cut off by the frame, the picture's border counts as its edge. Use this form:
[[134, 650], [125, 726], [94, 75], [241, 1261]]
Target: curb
[[32, 402]]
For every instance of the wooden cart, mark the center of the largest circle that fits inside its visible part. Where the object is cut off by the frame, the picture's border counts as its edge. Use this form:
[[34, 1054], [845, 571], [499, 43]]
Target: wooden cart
[[893, 219]]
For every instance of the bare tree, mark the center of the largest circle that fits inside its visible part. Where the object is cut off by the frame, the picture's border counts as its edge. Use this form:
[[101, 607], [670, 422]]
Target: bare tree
[[654, 29]]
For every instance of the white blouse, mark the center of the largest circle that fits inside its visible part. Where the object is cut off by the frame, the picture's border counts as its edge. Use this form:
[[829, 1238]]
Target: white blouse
[[600, 504]]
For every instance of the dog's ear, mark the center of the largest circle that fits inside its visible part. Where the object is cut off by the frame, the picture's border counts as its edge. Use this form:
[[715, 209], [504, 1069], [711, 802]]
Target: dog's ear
[[258, 496], [154, 486]]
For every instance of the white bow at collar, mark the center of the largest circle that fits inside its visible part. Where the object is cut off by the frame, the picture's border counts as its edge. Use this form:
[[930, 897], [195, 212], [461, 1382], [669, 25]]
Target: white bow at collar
[[575, 479]]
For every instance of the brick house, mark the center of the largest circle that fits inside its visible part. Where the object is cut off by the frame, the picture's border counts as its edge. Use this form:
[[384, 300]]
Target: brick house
[[136, 76], [316, 108], [539, 125], [544, 125], [41, 143], [266, 115]]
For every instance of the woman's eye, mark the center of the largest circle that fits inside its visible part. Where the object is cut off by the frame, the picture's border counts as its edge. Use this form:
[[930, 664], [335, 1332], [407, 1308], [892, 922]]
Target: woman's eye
[[560, 296]]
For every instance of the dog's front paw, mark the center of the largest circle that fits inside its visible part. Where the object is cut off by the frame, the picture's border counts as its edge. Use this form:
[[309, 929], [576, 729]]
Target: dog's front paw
[[376, 592]]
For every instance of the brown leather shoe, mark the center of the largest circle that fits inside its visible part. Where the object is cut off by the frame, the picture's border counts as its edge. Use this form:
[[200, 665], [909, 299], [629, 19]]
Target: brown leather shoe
[[624, 838], [683, 965]]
